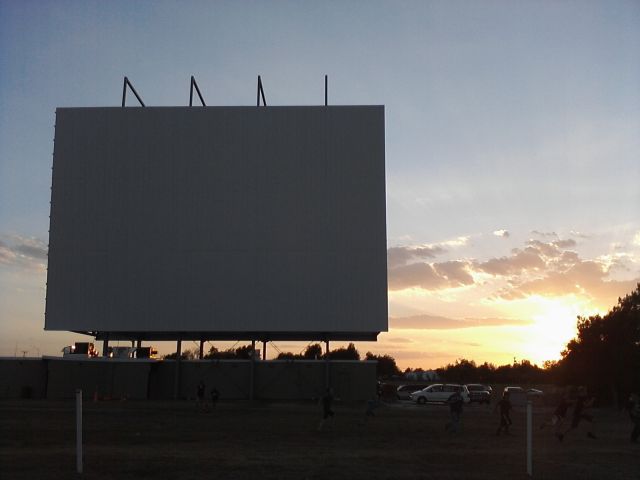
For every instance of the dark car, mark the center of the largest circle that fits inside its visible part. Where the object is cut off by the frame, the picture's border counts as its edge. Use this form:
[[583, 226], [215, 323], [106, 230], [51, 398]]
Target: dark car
[[480, 393]]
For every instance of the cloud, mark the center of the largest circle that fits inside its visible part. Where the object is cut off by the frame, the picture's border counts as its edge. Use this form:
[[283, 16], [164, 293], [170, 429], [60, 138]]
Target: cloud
[[569, 242], [501, 233], [544, 234], [23, 252], [565, 273], [419, 354], [457, 242], [519, 261], [579, 234], [421, 275], [547, 268], [430, 277], [455, 272], [636, 239], [398, 340], [31, 251], [397, 256], [549, 250], [585, 277], [402, 255], [435, 322]]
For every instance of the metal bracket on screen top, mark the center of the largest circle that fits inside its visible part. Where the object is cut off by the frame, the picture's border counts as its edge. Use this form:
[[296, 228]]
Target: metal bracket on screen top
[[124, 92], [194, 84], [264, 102], [260, 93]]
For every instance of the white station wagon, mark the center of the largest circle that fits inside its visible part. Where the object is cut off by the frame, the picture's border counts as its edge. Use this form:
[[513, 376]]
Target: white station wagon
[[440, 393]]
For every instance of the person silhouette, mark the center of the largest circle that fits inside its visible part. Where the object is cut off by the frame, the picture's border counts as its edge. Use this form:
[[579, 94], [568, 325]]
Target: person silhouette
[[455, 402], [583, 403], [327, 412], [633, 405], [200, 395], [505, 413], [559, 414]]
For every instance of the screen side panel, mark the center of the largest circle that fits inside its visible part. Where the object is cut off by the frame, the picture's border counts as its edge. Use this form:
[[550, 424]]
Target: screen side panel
[[218, 219]]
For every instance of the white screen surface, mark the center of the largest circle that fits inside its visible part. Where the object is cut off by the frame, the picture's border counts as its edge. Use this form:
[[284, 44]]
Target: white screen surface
[[218, 219]]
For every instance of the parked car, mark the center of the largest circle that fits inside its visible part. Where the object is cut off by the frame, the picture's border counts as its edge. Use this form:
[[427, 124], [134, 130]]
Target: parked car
[[439, 393], [404, 391], [533, 392], [479, 393]]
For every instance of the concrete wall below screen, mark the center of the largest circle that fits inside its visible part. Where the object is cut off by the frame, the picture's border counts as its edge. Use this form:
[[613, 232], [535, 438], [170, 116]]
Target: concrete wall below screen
[[23, 378], [57, 378]]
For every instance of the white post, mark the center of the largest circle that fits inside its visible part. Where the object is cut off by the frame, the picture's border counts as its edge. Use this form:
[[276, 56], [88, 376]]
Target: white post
[[529, 438], [79, 430]]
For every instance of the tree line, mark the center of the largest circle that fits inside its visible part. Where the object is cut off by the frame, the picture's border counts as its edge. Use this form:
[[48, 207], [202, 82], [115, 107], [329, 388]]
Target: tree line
[[386, 364], [604, 356]]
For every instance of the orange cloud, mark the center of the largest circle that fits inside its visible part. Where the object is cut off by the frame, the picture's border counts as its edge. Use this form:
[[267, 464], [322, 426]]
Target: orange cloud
[[435, 322]]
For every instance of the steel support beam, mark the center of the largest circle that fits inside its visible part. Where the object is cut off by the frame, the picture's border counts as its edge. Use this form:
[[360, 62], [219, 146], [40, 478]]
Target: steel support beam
[[176, 385], [252, 370], [326, 90], [327, 380], [260, 93]]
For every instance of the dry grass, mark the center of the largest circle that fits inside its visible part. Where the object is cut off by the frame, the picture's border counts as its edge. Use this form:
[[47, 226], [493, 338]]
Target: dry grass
[[138, 440]]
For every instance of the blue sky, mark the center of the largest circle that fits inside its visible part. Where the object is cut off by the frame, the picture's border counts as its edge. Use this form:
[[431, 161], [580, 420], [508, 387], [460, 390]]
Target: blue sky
[[514, 116]]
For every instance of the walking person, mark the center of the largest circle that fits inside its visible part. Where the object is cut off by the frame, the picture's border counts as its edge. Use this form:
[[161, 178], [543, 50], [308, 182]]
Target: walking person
[[455, 401], [215, 396], [372, 404], [580, 412], [369, 411], [327, 412], [505, 413], [633, 405], [200, 405]]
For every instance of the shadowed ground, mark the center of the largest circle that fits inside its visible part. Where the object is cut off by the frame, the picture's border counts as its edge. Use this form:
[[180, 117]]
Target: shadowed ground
[[133, 440]]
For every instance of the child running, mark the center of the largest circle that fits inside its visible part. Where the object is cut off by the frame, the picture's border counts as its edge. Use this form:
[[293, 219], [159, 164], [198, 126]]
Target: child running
[[505, 410], [559, 414], [583, 402]]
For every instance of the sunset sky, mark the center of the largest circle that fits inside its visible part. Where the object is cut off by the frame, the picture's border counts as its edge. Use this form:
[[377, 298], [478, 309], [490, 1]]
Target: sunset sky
[[512, 145]]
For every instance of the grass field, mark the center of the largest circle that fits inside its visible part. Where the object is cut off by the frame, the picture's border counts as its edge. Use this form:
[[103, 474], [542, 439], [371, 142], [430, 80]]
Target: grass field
[[140, 440]]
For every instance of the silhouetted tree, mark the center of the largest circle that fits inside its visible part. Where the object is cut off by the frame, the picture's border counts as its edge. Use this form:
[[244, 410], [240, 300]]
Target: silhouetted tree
[[463, 371], [244, 352], [349, 353], [313, 351], [606, 349], [466, 371], [230, 354], [184, 355], [287, 356], [386, 365]]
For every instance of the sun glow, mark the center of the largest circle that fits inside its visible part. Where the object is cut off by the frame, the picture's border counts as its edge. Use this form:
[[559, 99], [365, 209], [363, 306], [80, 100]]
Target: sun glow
[[554, 324]]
